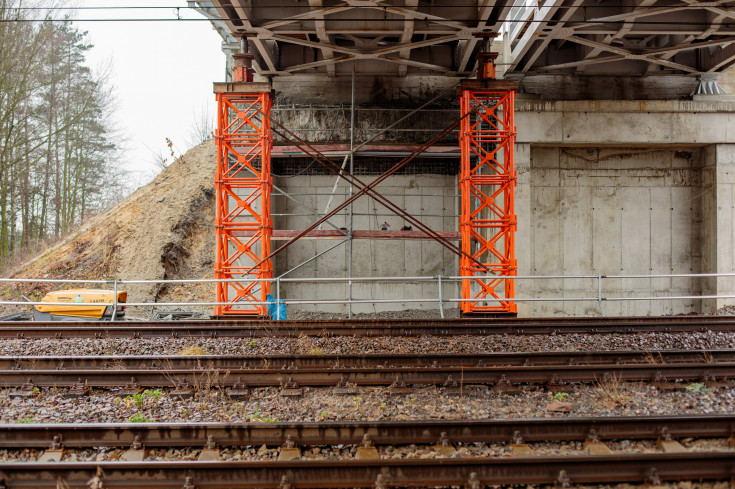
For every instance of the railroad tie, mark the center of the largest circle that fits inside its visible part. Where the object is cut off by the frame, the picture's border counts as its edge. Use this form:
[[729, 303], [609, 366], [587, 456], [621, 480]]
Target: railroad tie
[[520, 449], [55, 453], [366, 450], [289, 450], [444, 448], [239, 390], [210, 452], [594, 446], [136, 452]]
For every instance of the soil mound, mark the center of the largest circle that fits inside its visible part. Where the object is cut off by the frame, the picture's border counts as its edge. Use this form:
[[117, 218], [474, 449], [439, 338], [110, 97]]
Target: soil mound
[[164, 230]]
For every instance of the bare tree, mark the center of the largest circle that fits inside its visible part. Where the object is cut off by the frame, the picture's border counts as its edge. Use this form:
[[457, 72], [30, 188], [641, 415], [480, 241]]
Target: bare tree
[[202, 129], [55, 138]]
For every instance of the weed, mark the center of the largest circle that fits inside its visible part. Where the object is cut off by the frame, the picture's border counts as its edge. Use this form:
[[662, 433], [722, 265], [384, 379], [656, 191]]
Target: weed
[[193, 350], [383, 408], [257, 415], [139, 418], [137, 398], [253, 343], [156, 394], [612, 392], [560, 396], [36, 390], [323, 416], [25, 420], [698, 388], [316, 351]]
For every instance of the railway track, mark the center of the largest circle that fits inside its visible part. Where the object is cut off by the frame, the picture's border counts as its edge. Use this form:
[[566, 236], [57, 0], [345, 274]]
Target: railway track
[[370, 471], [382, 327], [501, 375], [278, 361], [420, 432], [380, 474]]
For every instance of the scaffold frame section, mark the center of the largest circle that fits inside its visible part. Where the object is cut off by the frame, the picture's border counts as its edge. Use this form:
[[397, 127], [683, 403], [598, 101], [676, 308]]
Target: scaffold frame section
[[243, 185], [487, 187]]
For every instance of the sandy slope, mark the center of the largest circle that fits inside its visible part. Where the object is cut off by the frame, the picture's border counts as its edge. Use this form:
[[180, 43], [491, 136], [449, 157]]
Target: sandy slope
[[164, 230]]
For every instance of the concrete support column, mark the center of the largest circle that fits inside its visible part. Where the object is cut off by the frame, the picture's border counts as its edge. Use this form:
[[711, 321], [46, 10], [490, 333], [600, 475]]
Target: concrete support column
[[524, 288], [718, 212]]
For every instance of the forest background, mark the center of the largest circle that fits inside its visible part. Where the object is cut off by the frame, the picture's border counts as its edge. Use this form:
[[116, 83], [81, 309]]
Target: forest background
[[58, 143]]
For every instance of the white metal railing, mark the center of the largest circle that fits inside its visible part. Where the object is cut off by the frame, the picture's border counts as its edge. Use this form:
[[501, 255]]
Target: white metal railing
[[440, 298]]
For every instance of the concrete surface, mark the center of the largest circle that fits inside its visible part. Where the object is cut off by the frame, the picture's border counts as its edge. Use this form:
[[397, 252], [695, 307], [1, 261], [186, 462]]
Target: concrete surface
[[604, 188]]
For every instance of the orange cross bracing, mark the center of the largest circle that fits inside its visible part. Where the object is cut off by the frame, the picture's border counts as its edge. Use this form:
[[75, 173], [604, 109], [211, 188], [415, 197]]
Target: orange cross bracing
[[243, 185], [487, 188]]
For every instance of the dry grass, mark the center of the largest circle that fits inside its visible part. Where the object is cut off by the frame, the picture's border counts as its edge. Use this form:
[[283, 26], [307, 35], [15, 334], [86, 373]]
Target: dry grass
[[612, 392], [193, 350], [649, 357]]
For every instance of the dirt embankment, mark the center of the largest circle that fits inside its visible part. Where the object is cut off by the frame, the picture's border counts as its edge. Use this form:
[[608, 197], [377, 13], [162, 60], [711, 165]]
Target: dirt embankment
[[164, 230]]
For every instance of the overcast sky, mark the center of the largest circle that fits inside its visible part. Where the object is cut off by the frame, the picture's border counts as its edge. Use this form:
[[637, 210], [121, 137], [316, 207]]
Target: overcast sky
[[162, 74]]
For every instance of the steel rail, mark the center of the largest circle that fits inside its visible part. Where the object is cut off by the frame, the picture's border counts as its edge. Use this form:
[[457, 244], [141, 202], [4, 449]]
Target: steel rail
[[552, 375], [359, 473], [420, 432], [281, 361], [376, 327]]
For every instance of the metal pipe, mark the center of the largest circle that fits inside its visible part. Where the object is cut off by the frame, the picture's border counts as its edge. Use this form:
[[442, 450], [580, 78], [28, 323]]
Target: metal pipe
[[334, 188], [114, 304], [371, 214], [352, 190], [441, 305]]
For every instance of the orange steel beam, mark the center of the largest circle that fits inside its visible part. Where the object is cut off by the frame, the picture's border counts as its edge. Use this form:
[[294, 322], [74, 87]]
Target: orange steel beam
[[243, 185], [487, 187]]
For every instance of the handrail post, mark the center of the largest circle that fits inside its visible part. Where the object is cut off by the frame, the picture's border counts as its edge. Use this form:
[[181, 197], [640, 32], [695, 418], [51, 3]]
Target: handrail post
[[599, 294], [278, 298], [441, 305], [114, 303]]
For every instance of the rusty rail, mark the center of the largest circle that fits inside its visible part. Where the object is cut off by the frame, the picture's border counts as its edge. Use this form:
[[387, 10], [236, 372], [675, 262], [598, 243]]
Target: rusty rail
[[420, 432], [279, 361], [650, 468], [325, 377], [382, 327]]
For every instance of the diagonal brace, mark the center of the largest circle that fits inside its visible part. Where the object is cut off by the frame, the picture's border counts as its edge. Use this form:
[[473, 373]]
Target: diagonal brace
[[368, 189]]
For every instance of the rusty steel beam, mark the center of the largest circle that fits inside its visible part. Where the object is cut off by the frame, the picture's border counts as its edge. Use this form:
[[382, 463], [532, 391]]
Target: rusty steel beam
[[283, 234]]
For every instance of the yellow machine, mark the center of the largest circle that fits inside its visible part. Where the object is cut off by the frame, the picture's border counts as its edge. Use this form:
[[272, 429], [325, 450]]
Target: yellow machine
[[81, 305]]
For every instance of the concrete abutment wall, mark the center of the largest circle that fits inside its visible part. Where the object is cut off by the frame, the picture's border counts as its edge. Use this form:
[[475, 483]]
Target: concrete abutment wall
[[604, 187]]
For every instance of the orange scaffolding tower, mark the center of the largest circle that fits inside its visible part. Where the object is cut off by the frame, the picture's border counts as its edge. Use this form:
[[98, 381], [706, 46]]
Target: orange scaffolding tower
[[487, 187], [243, 184]]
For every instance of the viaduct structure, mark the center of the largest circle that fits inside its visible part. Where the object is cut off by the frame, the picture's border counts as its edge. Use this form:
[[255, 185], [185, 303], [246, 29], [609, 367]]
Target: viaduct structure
[[586, 148]]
